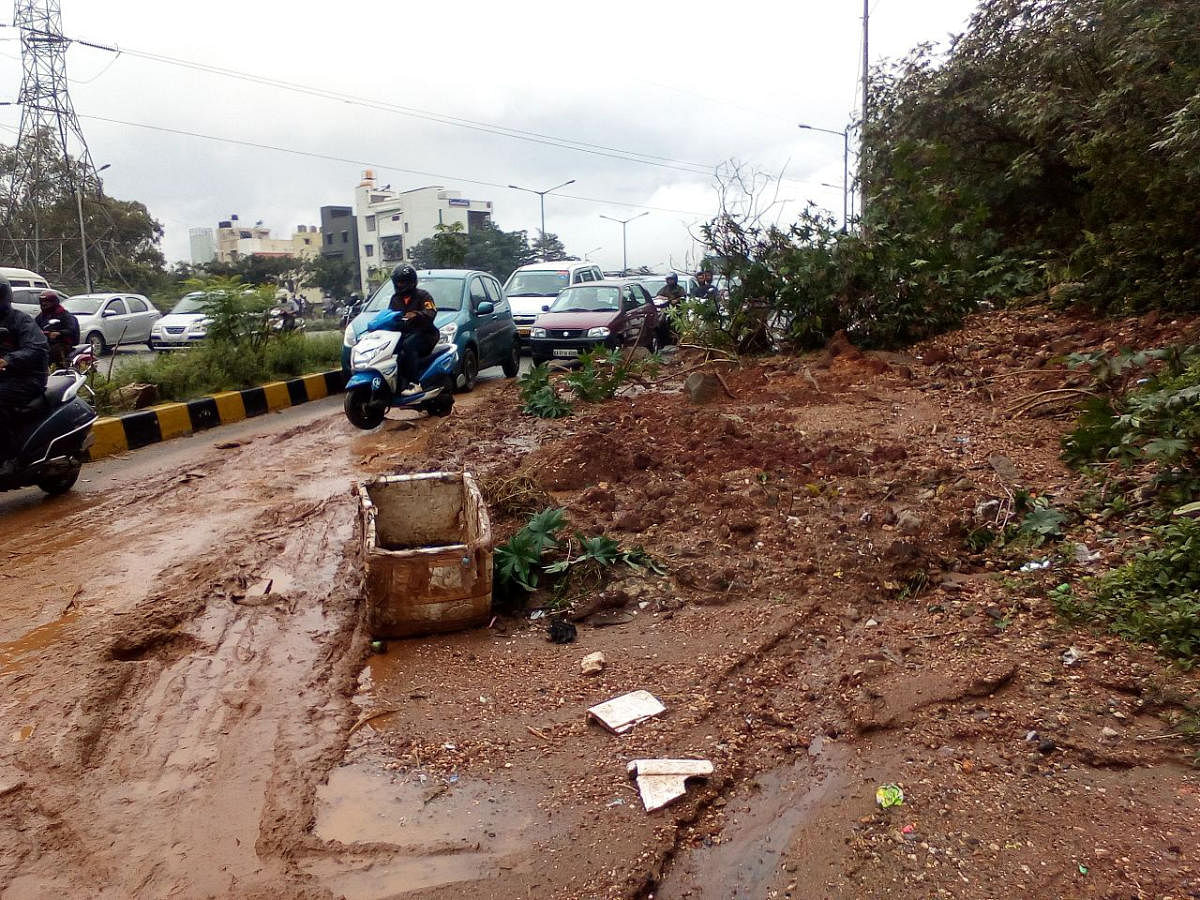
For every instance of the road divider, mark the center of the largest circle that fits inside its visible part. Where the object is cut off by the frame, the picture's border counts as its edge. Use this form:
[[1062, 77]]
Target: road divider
[[131, 431]]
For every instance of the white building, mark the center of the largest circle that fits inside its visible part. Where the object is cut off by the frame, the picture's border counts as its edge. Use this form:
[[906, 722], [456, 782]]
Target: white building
[[391, 223], [203, 245], [237, 241]]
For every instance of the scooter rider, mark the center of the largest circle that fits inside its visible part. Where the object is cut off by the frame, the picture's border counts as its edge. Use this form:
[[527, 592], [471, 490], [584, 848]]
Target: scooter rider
[[704, 289], [24, 369], [671, 290], [64, 336], [420, 331], [674, 295]]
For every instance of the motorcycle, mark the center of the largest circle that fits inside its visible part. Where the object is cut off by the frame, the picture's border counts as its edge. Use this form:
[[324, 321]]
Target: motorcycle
[[54, 433], [281, 321], [375, 368]]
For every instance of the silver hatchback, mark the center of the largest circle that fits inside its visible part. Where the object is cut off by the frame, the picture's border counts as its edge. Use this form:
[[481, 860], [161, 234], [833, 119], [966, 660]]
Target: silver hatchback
[[109, 320]]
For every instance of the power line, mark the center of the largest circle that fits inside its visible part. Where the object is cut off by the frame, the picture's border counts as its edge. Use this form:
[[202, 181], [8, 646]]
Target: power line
[[360, 162], [412, 112]]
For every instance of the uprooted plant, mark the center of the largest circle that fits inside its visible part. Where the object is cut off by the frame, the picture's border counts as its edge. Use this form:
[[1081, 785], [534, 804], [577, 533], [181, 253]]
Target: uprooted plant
[[599, 375], [537, 557]]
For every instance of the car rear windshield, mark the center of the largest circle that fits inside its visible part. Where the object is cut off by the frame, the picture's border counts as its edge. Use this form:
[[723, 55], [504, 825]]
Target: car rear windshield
[[447, 294], [86, 306], [654, 285], [587, 299], [537, 283]]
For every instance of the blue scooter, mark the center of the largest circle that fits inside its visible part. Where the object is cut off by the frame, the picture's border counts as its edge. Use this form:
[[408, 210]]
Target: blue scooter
[[375, 368]]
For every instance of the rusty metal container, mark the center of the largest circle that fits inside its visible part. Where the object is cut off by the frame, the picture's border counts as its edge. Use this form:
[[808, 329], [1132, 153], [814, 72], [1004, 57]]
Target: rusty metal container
[[427, 543]]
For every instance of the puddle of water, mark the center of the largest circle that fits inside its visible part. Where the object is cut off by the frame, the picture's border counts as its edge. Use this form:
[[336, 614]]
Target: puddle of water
[[748, 859], [441, 833], [12, 652]]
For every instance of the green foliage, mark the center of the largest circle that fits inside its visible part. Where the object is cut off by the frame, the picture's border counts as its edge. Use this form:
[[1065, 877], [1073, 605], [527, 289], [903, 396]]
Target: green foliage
[[486, 248], [211, 367], [601, 372], [333, 276], [1061, 133], [124, 239], [238, 314], [538, 395], [1154, 598], [1042, 523], [519, 559], [1153, 428]]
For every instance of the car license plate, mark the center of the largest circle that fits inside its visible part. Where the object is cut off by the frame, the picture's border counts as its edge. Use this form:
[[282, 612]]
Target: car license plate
[[566, 352], [523, 332]]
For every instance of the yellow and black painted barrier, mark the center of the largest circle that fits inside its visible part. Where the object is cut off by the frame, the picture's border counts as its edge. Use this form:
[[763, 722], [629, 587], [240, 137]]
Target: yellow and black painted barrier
[[119, 434]]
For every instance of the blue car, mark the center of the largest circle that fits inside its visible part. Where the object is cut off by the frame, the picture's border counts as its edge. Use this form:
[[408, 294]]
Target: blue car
[[473, 314]]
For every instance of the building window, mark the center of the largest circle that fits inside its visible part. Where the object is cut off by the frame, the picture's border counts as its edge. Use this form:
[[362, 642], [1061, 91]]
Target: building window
[[307, 241], [396, 218], [370, 223], [406, 228], [328, 240], [345, 237], [370, 248]]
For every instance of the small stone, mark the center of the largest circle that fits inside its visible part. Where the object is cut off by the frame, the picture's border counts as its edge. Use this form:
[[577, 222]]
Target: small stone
[[593, 663], [1109, 732], [1047, 747], [909, 523]]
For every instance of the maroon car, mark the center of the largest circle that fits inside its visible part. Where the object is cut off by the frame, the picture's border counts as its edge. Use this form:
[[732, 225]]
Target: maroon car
[[599, 313]]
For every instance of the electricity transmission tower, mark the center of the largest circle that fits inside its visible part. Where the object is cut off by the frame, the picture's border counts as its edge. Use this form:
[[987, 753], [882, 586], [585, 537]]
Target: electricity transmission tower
[[45, 169]]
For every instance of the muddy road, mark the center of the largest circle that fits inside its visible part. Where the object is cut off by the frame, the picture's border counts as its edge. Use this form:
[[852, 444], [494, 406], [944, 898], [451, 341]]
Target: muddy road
[[189, 707]]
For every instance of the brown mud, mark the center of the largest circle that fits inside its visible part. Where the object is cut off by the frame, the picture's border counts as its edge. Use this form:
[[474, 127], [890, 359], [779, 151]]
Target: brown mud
[[822, 630]]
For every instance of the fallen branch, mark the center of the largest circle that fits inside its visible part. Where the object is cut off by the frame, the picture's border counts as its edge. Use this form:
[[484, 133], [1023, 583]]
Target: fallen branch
[[536, 733], [1046, 398], [731, 394]]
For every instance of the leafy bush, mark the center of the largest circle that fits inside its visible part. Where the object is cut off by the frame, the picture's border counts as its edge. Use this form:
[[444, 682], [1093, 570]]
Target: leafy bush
[[211, 367], [601, 373], [538, 395], [1154, 598]]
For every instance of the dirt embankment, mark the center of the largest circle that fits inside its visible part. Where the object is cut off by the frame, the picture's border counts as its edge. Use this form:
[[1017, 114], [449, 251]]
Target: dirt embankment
[[822, 629]]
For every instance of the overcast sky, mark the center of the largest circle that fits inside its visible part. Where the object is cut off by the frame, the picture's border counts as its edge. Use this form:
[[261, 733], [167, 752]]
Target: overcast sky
[[685, 83]]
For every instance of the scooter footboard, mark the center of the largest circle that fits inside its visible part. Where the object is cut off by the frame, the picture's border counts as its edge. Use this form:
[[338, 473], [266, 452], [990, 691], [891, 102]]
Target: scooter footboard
[[65, 432]]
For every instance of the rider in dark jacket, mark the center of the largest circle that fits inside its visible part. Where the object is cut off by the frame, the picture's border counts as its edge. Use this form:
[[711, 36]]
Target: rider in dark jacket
[[24, 369], [420, 330], [64, 336]]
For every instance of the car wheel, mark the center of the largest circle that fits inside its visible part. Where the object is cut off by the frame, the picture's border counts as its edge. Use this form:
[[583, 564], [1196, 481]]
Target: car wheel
[[96, 339], [512, 365], [470, 369]]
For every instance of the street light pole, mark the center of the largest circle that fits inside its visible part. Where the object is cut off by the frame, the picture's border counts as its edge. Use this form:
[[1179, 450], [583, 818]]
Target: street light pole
[[542, 201], [624, 247], [87, 272], [845, 135]]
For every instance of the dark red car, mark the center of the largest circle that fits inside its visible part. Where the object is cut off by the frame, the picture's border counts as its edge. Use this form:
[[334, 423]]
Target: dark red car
[[599, 313]]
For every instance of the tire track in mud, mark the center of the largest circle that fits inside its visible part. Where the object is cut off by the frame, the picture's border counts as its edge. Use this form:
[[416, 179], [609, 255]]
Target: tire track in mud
[[181, 730]]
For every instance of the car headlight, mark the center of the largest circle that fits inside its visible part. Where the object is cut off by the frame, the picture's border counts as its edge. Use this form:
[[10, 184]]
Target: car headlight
[[349, 339], [200, 329], [537, 332], [448, 332], [601, 332]]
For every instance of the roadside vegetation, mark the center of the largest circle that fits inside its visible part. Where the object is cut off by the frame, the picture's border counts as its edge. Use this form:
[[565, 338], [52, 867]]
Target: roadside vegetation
[[597, 377], [240, 351]]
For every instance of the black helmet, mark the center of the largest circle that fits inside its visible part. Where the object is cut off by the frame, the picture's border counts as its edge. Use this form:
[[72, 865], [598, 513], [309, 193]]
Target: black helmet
[[5, 294], [672, 278], [404, 277]]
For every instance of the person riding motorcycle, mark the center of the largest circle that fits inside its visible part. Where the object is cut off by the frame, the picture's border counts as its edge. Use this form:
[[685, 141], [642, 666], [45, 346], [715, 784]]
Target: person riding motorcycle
[[671, 290], [704, 289], [420, 330], [674, 295], [24, 370], [63, 336]]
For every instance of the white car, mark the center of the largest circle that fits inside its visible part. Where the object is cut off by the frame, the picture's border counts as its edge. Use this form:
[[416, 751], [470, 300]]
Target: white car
[[185, 324], [109, 320], [532, 288]]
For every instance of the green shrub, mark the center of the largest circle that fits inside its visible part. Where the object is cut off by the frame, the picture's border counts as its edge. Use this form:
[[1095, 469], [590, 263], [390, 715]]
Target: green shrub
[[1154, 598], [538, 396]]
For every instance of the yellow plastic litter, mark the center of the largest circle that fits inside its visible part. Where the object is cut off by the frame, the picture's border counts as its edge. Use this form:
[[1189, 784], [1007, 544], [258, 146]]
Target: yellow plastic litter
[[889, 795]]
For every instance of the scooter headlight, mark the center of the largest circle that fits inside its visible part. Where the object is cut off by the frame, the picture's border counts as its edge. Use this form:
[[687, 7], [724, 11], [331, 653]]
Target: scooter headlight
[[349, 339]]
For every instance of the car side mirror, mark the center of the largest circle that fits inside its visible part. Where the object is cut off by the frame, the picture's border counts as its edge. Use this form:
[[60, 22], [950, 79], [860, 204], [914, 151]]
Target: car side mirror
[[109, 313], [546, 308], [485, 308]]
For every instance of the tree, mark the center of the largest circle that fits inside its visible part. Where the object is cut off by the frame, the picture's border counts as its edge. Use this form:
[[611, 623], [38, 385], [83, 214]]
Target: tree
[[43, 233], [329, 273], [1058, 136], [549, 248], [258, 269], [487, 248]]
